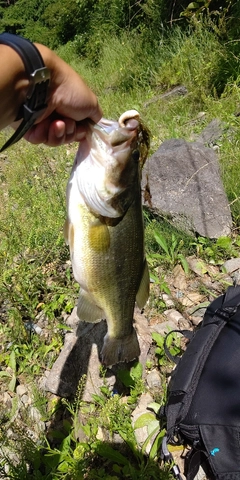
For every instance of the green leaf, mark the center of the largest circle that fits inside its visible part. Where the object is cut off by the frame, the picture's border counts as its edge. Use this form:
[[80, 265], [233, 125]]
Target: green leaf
[[192, 5], [136, 371], [156, 445], [149, 438], [64, 466], [12, 384], [5, 374], [110, 453], [153, 426], [224, 242], [144, 420], [162, 242], [126, 378], [12, 361], [184, 263], [154, 406], [64, 327], [154, 278], [159, 339]]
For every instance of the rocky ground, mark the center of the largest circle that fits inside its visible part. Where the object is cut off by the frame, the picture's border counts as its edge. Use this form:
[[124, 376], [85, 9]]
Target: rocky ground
[[184, 308]]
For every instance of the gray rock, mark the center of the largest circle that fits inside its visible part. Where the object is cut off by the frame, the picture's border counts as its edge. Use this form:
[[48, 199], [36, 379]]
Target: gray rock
[[25, 400], [212, 132], [75, 359], [167, 300], [154, 380], [141, 434], [177, 318], [6, 400], [165, 327], [232, 265], [21, 390], [196, 320], [182, 180], [176, 91], [35, 416]]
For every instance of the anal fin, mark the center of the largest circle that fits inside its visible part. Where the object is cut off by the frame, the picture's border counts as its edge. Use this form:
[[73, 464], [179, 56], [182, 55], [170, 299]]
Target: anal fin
[[87, 310]]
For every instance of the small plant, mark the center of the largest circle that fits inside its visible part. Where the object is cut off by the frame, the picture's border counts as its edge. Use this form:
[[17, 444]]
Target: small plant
[[155, 432], [172, 343], [133, 381], [172, 253], [217, 252]]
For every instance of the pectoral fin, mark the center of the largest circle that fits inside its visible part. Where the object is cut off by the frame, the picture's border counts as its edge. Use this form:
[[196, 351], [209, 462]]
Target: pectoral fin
[[68, 232], [87, 311], [143, 291]]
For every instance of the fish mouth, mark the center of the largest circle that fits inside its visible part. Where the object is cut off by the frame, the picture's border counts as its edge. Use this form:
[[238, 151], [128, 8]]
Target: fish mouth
[[117, 134]]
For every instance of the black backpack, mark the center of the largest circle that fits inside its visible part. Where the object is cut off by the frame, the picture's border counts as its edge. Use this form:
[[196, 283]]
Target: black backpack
[[203, 400]]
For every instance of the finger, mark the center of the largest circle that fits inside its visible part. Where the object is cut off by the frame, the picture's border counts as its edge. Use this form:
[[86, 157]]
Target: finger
[[52, 132], [38, 133], [96, 113], [63, 131]]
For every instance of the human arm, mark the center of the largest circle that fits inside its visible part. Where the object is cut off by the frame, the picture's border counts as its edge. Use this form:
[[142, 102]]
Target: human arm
[[70, 100]]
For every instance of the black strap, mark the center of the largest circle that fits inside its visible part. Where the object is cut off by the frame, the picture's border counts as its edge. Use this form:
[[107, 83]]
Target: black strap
[[188, 334], [193, 460], [39, 77], [167, 457], [230, 305]]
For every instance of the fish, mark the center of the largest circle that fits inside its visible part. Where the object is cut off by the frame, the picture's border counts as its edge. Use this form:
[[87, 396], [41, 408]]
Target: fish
[[105, 231]]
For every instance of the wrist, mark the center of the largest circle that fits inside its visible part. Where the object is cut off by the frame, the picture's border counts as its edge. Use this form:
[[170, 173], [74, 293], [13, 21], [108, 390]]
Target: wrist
[[35, 90], [14, 84], [56, 67]]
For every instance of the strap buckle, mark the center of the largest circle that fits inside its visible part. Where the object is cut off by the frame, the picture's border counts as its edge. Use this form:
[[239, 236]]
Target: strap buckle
[[38, 76], [167, 457]]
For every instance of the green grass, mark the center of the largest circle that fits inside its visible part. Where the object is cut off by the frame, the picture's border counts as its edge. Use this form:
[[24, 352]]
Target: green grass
[[35, 278]]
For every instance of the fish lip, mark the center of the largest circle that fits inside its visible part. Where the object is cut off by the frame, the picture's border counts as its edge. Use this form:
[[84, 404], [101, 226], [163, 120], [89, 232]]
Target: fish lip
[[118, 133]]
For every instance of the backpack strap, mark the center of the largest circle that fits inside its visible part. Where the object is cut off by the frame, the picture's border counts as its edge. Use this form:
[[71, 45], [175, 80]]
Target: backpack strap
[[175, 358], [193, 461], [229, 306]]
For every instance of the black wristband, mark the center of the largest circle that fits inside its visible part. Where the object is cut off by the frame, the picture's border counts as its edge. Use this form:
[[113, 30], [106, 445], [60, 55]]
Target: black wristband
[[39, 77]]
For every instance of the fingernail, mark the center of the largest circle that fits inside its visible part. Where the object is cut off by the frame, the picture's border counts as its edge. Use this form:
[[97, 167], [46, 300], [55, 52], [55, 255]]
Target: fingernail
[[80, 136], [70, 130]]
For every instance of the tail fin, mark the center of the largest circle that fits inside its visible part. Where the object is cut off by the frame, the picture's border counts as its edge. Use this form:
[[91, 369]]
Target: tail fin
[[117, 350]]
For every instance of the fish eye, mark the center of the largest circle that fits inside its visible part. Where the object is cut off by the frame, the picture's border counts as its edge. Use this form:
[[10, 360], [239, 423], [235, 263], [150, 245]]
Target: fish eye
[[135, 155]]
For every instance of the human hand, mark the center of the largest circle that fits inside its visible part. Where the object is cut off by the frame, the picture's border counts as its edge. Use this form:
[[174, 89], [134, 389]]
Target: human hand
[[70, 103]]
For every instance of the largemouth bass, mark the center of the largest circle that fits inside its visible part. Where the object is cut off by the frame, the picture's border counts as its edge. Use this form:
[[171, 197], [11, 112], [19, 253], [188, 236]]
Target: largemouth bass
[[104, 230]]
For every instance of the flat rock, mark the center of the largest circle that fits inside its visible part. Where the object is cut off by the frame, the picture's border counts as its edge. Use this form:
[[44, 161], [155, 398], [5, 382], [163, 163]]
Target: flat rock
[[154, 380], [182, 180], [141, 434], [165, 327], [177, 318], [232, 265], [179, 278], [212, 132]]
